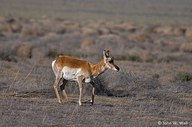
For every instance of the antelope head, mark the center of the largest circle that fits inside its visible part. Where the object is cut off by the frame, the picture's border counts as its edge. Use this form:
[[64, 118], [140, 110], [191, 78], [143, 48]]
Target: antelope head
[[109, 61]]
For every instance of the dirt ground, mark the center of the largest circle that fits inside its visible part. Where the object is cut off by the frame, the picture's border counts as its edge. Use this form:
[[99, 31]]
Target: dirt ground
[[134, 99], [151, 45]]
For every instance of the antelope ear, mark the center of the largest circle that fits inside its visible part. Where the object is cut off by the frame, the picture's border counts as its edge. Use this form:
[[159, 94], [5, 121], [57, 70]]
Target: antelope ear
[[105, 54]]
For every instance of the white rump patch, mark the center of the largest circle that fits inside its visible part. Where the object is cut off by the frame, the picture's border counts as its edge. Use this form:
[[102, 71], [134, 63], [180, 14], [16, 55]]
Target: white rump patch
[[70, 73], [53, 63]]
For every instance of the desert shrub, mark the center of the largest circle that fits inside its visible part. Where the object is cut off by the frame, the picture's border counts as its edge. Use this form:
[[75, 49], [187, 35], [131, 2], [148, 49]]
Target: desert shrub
[[4, 55], [33, 32], [138, 37], [73, 54], [164, 60], [186, 47], [104, 31], [121, 57], [92, 54], [54, 53], [16, 27], [89, 31], [129, 58], [145, 55], [149, 60], [86, 43], [175, 58], [80, 55], [59, 19], [129, 27], [188, 33], [6, 66], [184, 77], [156, 76], [179, 31], [12, 59], [6, 28], [133, 58], [126, 83], [24, 51]]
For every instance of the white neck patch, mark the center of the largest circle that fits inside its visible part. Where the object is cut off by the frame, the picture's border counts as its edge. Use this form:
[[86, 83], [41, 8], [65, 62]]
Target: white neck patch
[[102, 69]]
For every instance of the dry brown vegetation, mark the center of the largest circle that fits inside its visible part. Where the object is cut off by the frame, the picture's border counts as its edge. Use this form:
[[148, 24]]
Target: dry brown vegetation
[[147, 90]]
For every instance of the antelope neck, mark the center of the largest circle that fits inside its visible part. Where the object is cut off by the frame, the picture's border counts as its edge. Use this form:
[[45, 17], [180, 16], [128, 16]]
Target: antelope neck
[[99, 68]]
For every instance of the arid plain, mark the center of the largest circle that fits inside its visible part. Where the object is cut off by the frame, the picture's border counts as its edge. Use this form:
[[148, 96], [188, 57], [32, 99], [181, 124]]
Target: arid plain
[[153, 87]]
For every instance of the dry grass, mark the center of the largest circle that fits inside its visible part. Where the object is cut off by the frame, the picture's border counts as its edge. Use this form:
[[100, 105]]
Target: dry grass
[[141, 94], [131, 98], [145, 92], [86, 43], [187, 47]]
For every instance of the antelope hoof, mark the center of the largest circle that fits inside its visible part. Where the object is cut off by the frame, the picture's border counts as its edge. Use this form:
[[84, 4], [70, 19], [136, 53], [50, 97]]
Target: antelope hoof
[[60, 101], [80, 103], [91, 101]]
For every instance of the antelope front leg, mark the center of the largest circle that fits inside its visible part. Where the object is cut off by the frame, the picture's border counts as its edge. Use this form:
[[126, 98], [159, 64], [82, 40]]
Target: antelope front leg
[[79, 80], [93, 92]]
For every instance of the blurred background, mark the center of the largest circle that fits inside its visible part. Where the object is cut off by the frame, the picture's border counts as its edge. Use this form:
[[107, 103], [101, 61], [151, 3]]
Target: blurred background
[[164, 12]]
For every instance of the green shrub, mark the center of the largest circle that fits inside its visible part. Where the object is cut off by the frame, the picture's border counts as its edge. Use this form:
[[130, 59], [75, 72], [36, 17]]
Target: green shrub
[[6, 66], [73, 54], [13, 59], [149, 60], [59, 19], [165, 60], [92, 54], [155, 76], [133, 58], [184, 77], [54, 53], [129, 58], [80, 55]]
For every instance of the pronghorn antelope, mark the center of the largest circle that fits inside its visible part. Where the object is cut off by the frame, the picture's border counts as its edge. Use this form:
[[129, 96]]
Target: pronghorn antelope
[[68, 68]]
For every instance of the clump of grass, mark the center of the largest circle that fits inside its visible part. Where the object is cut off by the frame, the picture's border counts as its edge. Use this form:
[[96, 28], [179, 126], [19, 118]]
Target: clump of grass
[[149, 60], [121, 57], [129, 58], [184, 77], [12, 59], [80, 55], [73, 54], [176, 58], [156, 76], [6, 66], [164, 60], [54, 53], [133, 58], [92, 54], [59, 19]]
